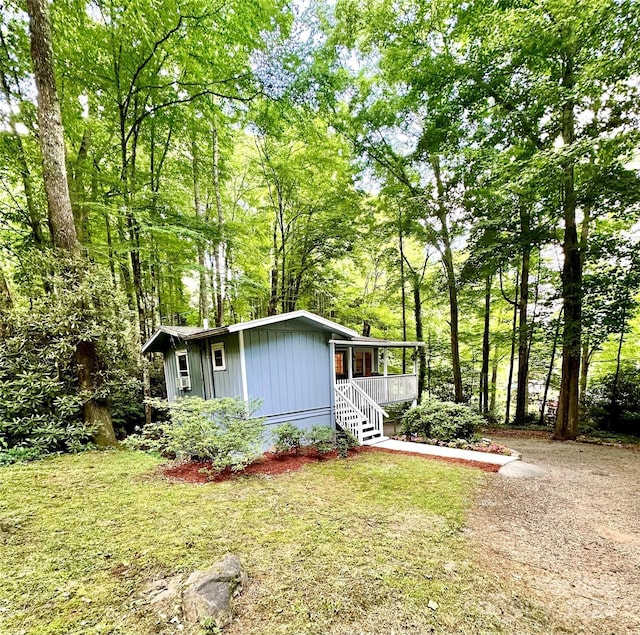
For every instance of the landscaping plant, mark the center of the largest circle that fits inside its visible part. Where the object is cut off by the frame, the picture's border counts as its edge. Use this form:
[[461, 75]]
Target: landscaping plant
[[321, 438], [287, 437], [222, 431], [443, 421]]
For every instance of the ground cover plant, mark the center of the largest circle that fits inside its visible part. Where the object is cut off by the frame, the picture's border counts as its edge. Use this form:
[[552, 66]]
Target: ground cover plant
[[339, 547]]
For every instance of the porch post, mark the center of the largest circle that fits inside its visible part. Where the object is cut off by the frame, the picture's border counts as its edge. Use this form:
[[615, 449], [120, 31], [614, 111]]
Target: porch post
[[332, 352], [385, 361], [350, 363]]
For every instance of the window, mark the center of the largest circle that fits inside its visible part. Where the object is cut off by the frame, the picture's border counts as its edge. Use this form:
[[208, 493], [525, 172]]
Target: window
[[218, 357], [184, 379]]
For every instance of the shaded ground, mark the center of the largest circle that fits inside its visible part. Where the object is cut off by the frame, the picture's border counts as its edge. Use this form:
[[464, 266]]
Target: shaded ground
[[572, 537]]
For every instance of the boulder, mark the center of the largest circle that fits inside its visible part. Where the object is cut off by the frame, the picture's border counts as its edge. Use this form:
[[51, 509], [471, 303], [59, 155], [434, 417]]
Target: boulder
[[208, 594]]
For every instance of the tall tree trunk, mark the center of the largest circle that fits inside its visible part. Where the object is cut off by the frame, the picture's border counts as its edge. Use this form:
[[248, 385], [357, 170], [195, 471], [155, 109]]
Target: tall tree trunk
[[422, 355], [33, 215], [523, 334], [614, 409], [203, 296], [484, 372], [220, 247], [513, 351], [447, 261], [494, 381], [61, 222], [568, 404], [77, 185], [550, 373], [403, 296]]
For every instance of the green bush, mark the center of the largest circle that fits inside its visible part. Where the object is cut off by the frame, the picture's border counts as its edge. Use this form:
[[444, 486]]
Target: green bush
[[345, 441], [287, 437], [41, 403], [321, 438], [616, 408], [444, 421], [222, 431]]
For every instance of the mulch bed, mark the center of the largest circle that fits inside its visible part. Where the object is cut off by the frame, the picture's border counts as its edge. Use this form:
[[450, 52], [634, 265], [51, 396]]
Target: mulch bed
[[271, 464]]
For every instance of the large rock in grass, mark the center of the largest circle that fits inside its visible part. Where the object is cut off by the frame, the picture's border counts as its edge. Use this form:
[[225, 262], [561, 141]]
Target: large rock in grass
[[208, 594]]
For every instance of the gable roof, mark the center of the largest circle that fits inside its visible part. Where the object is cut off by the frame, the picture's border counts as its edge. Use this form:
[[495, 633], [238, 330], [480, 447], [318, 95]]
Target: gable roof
[[155, 342]]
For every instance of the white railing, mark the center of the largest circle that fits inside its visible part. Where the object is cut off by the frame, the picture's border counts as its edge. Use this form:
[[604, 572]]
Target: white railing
[[389, 389], [357, 411]]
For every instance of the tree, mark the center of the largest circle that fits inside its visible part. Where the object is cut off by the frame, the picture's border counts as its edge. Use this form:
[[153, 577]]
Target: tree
[[61, 221]]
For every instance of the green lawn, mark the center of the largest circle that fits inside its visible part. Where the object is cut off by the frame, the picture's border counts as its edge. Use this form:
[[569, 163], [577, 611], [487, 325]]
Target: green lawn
[[342, 547]]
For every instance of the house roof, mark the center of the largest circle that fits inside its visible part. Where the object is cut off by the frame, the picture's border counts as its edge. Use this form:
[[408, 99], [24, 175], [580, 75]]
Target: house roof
[[156, 342]]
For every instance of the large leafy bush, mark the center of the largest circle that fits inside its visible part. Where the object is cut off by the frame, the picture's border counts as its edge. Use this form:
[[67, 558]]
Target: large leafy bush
[[222, 431], [40, 399], [444, 421], [615, 406]]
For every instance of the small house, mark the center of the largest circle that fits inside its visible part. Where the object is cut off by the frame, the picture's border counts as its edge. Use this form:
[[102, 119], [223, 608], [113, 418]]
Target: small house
[[303, 368]]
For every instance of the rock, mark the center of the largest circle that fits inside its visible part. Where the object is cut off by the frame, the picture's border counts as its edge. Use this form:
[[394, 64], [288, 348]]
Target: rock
[[433, 605], [208, 594]]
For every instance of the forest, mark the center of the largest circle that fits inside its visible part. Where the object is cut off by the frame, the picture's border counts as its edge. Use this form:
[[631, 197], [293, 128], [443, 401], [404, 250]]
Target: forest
[[465, 174]]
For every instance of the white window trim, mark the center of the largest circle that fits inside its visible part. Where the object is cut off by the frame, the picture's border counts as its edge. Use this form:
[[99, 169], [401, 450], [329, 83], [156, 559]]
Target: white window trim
[[184, 354], [218, 346]]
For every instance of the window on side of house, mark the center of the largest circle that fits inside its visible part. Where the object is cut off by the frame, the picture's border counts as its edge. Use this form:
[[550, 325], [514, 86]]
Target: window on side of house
[[184, 378], [218, 357]]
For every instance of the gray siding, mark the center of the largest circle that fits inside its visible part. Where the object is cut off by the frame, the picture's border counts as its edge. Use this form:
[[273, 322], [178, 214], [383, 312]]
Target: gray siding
[[224, 383], [195, 373], [289, 370]]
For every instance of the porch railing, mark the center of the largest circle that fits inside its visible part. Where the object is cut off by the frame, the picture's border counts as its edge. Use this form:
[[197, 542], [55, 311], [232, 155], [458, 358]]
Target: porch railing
[[357, 412], [388, 389]]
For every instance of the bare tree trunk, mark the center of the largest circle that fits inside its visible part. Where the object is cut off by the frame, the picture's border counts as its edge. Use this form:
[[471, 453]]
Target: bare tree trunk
[[523, 334], [568, 403], [203, 297], [61, 222], [614, 409], [33, 214], [550, 373], [513, 351], [447, 261], [484, 372], [403, 296], [51, 133], [220, 247], [494, 381], [422, 355]]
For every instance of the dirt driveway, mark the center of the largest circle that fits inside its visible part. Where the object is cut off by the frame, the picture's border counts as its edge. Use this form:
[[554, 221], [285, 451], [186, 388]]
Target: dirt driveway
[[570, 537]]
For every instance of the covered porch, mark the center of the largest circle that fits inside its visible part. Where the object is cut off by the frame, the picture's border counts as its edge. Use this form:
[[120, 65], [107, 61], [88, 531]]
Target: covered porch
[[363, 384], [358, 361]]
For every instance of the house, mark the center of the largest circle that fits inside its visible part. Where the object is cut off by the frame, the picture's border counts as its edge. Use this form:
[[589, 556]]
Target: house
[[304, 368]]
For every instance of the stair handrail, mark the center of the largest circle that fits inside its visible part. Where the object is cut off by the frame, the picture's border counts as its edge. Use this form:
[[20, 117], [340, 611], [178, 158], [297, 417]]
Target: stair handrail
[[368, 399]]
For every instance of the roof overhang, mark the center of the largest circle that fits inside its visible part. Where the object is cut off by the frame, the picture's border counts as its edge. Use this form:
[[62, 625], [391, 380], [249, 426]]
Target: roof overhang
[[157, 341], [373, 343]]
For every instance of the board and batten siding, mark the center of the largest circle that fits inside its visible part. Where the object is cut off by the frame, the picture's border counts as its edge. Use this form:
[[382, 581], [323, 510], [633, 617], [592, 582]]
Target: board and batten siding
[[289, 370], [228, 382], [196, 375]]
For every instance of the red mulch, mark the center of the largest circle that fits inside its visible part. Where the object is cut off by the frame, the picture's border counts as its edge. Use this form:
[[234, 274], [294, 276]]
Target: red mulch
[[520, 433], [272, 464]]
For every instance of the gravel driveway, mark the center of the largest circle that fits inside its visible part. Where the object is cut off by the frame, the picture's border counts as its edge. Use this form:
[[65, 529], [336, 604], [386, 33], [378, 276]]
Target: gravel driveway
[[571, 537]]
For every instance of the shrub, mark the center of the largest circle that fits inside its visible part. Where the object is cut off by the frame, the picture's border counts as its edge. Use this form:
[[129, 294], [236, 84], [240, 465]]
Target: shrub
[[621, 414], [222, 431], [321, 438], [287, 437], [345, 441], [151, 438], [444, 421], [41, 402]]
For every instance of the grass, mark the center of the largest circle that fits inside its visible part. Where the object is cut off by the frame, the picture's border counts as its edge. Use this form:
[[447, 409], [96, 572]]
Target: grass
[[342, 547]]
